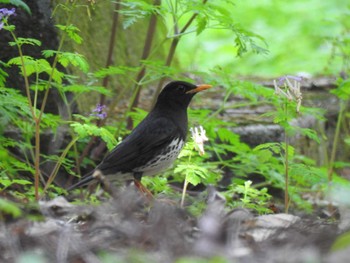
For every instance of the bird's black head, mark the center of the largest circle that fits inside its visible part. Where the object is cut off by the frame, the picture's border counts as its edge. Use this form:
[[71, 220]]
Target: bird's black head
[[179, 93]]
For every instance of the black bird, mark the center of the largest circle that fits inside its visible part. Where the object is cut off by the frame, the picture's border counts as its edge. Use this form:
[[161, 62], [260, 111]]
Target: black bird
[[155, 143]]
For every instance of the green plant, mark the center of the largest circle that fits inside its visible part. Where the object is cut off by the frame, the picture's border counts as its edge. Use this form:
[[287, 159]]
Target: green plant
[[342, 242], [291, 92], [248, 197], [9, 208], [343, 94], [22, 112], [192, 171], [269, 159]]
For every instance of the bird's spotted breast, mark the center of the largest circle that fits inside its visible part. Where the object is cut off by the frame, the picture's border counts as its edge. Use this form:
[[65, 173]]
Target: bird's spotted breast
[[163, 160]]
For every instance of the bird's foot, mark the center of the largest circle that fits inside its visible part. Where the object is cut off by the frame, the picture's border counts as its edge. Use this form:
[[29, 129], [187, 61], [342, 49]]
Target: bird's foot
[[105, 183]]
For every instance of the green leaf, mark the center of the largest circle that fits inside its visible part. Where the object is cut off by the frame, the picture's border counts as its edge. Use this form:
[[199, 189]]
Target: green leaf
[[241, 46], [114, 70], [13, 106], [190, 174], [347, 141], [83, 89], [226, 135], [291, 150], [72, 32], [342, 242], [264, 155], [39, 86], [275, 147], [343, 90], [187, 150], [17, 60], [156, 69], [201, 24], [312, 134], [9, 207], [193, 178], [10, 28], [193, 173], [77, 60], [222, 10], [134, 11], [180, 168], [21, 4], [36, 66], [8, 182], [26, 41], [47, 53], [81, 129], [3, 76], [50, 120], [85, 130], [67, 58]]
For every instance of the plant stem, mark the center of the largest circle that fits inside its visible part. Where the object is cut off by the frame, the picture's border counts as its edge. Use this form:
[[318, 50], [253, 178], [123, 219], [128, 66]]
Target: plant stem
[[36, 120], [26, 81], [335, 142], [59, 162], [184, 189], [286, 171], [184, 193], [70, 117], [334, 151], [39, 118], [286, 164]]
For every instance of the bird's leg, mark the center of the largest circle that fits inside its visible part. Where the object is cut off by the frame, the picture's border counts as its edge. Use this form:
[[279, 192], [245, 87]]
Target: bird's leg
[[141, 187]]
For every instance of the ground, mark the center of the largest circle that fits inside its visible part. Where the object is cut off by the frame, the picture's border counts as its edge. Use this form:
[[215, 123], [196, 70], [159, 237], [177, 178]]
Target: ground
[[132, 228]]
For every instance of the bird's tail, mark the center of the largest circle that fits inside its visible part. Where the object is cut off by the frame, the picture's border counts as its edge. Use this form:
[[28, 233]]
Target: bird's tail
[[86, 179]]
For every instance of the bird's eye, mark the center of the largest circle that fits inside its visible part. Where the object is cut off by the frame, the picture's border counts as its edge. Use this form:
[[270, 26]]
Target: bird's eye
[[181, 88]]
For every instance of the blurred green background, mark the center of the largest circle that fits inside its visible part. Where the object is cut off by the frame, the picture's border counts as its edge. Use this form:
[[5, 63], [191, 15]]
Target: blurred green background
[[299, 36]]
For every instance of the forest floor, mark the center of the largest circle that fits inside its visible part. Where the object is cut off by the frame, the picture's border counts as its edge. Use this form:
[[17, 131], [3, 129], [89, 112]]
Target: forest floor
[[133, 228]]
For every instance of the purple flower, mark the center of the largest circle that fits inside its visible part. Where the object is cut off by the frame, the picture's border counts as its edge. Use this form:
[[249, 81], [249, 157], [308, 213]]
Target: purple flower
[[99, 115], [7, 12], [282, 80], [99, 108], [4, 13], [99, 112]]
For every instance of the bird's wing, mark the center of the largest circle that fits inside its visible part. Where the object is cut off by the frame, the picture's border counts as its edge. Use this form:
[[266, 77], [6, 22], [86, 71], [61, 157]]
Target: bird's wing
[[146, 140]]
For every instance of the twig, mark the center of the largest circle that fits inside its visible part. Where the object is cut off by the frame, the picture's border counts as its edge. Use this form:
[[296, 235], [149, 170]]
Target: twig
[[110, 48], [286, 171], [172, 50], [145, 54], [104, 81]]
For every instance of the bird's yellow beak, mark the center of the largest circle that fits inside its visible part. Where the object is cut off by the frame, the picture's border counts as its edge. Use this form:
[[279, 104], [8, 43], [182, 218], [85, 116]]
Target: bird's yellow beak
[[199, 88]]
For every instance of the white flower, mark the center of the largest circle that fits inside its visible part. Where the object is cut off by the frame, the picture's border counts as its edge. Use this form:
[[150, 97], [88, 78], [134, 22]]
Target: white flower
[[292, 90], [199, 137]]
